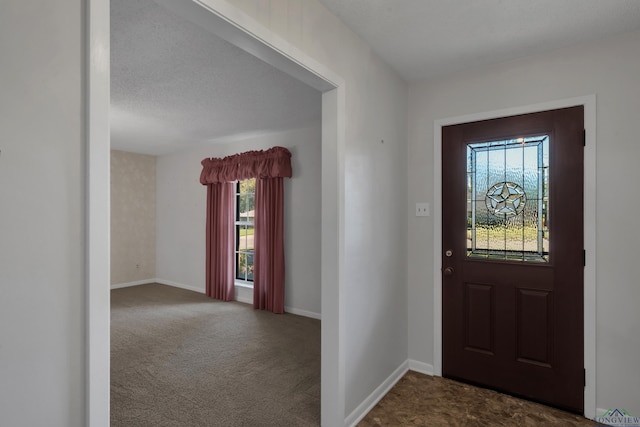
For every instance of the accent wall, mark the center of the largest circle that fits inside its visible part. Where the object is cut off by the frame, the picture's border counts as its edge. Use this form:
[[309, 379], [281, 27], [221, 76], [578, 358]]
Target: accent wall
[[133, 217]]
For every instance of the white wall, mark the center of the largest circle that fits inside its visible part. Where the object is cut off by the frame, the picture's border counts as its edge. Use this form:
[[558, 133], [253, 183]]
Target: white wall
[[375, 231], [182, 212], [609, 69], [41, 46], [42, 240]]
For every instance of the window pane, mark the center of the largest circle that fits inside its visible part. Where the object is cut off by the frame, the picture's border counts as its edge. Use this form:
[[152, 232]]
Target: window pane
[[244, 265], [250, 265], [246, 192], [241, 266], [245, 208], [245, 237], [508, 200], [250, 206], [249, 238], [240, 238], [242, 209]]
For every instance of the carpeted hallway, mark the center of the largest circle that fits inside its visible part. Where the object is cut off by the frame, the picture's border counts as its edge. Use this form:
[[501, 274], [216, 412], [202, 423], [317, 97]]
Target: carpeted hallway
[[179, 358]]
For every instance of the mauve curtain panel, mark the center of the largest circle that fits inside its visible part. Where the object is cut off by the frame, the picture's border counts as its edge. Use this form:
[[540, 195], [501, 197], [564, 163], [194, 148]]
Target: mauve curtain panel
[[220, 239], [268, 264], [269, 167]]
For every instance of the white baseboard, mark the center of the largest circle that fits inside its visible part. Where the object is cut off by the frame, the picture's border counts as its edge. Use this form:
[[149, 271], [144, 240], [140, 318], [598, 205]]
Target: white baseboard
[[239, 294], [244, 294], [248, 299], [423, 368], [136, 283], [372, 400], [304, 313], [160, 281], [180, 285]]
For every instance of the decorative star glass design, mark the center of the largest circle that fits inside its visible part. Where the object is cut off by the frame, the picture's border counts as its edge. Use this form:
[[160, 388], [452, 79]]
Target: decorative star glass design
[[508, 199], [505, 198]]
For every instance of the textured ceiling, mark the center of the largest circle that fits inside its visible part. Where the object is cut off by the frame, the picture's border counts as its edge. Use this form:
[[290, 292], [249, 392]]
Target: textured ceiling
[[425, 39], [175, 85]]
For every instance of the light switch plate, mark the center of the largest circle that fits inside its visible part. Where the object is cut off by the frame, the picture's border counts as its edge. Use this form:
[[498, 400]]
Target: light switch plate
[[422, 209]]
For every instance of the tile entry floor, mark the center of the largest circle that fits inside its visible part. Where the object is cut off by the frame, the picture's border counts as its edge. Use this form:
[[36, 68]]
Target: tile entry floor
[[423, 400]]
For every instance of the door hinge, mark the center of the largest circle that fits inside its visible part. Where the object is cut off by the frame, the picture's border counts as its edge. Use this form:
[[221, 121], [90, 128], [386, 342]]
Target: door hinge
[[584, 137], [584, 377], [584, 258]]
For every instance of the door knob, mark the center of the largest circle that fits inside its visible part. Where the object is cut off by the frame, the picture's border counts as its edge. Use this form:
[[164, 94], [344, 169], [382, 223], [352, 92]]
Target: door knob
[[448, 271]]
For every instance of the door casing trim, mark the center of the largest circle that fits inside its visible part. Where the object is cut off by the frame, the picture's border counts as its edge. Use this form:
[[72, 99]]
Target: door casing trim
[[589, 103]]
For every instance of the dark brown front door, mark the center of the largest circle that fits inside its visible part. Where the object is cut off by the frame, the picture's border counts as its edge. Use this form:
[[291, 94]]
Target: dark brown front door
[[512, 255]]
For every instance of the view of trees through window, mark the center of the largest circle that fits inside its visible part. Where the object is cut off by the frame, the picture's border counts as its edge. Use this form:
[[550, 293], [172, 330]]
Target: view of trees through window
[[245, 211]]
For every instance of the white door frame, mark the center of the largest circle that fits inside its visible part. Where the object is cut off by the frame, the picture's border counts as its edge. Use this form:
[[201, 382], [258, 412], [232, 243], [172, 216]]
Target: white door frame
[[243, 31], [589, 103]]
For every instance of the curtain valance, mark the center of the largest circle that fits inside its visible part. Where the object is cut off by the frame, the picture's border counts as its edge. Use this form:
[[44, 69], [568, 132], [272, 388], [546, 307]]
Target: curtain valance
[[272, 163]]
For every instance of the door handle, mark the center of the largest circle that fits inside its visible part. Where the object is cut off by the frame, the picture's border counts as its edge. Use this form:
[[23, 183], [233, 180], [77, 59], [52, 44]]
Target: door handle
[[448, 271]]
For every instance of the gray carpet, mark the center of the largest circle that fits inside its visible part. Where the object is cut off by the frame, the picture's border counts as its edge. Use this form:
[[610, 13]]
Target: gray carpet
[[179, 358]]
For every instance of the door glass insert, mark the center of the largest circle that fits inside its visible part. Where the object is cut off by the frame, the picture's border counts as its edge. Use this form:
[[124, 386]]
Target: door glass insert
[[508, 199]]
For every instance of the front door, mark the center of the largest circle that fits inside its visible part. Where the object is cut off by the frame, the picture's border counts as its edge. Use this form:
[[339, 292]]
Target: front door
[[512, 248]]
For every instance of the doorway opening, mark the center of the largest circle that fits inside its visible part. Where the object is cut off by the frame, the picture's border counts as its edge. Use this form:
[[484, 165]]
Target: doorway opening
[[220, 20]]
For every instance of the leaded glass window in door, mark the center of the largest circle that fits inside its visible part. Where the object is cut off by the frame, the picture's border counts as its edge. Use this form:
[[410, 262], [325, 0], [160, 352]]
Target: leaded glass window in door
[[508, 199]]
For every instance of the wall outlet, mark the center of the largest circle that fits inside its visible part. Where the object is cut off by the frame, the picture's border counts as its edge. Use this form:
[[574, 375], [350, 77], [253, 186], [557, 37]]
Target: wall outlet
[[422, 209]]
